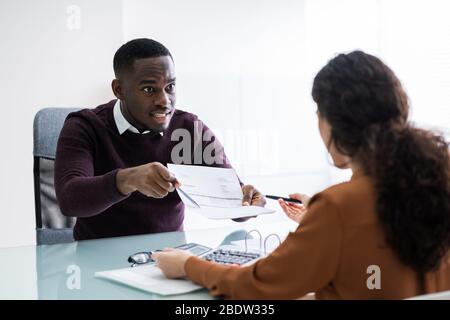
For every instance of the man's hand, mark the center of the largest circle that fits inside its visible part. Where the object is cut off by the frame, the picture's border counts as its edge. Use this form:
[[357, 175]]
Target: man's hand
[[152, 179], [171, 262], [252, 197]]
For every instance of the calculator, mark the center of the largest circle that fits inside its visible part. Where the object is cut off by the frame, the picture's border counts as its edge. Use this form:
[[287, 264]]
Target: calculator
[[224, 254], [194, 248]]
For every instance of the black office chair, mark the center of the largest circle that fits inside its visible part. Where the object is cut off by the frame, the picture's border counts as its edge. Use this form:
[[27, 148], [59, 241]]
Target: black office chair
[[51, 226]]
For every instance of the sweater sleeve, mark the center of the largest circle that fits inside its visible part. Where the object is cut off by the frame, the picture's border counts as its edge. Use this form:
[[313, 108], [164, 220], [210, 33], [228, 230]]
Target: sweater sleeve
[[305, 262], [78, 191]]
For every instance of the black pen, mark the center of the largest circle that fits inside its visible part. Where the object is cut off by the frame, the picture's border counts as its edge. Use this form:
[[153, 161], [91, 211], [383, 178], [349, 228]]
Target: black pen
[[285, 199]]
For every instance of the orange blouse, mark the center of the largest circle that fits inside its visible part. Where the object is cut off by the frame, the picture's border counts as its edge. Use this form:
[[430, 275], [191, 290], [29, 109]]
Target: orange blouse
[[338, 252]]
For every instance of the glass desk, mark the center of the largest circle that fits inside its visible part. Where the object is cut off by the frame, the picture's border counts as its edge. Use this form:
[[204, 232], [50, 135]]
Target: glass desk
[[49, 271]]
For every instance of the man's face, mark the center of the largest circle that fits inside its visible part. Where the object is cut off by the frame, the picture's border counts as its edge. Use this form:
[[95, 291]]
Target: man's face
[[148, 93]]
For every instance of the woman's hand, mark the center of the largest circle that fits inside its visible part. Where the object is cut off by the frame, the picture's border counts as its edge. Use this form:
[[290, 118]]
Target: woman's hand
[[295, 211], [171, 262]]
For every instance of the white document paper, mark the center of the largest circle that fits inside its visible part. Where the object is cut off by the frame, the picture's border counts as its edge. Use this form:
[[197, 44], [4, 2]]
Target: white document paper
[[216, 190], [150, 279]]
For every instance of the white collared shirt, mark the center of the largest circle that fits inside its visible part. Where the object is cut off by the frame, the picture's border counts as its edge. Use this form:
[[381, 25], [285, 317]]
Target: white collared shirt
[[122, 124]]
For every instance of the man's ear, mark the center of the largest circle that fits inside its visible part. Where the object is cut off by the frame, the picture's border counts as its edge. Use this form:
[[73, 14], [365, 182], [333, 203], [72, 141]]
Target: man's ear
[[117, 89]]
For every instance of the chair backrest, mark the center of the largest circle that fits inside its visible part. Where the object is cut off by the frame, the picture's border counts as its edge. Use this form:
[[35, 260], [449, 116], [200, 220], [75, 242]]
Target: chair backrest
[[51, 226]]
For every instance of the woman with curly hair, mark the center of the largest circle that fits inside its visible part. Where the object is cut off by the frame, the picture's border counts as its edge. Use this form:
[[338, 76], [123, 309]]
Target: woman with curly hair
[[392, 217]]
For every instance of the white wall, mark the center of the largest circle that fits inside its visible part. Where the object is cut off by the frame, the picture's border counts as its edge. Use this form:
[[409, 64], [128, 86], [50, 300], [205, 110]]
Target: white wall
[[45, 63], [418, 49]]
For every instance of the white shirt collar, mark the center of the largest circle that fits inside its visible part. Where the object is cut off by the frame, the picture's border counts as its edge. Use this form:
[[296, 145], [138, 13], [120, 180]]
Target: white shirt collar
[[122, 124]]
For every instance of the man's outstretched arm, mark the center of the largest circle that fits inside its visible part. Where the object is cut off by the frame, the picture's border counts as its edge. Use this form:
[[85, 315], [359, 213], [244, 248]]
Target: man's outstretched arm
[[82, 194]]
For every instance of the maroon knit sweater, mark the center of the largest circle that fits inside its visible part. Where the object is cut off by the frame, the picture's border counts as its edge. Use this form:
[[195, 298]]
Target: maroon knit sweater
[[89, 153]]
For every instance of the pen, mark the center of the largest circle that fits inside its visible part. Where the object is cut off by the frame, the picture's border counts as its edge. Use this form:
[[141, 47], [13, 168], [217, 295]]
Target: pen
[[285, 199], [188, 197]]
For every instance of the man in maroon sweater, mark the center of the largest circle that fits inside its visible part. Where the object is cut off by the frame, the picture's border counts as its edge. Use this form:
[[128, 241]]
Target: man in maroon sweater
[[110, 167]]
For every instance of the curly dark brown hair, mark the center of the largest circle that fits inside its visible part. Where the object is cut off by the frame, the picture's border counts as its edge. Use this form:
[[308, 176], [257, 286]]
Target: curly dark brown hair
[[367, 109]]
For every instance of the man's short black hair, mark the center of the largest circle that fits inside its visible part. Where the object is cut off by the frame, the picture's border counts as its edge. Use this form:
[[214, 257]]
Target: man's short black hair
[[137, 49]]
